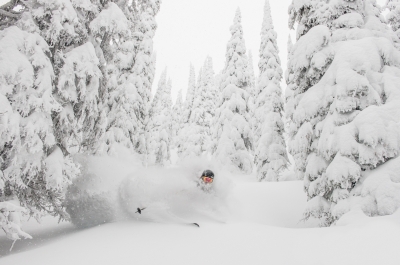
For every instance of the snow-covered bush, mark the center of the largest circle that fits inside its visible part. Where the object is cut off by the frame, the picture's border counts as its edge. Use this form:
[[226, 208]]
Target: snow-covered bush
[[232, 123], [270, 148], [344, 105]]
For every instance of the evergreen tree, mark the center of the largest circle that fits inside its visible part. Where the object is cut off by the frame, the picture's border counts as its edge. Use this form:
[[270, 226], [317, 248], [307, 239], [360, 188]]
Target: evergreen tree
[[393, 17], [11, 12], [129, 74], [252, 77], [252, 90], [94, 58], [187, 113], [117, 96], [198, 131], [232, 123], [78, 92], [289, 47], [177, 115], [159, 126], [344, 76], [302, 78], [270, 147], [33, 168], [62, 24], [190, 93], [195, 134], [144, 67], [210, 92], [218, 81]]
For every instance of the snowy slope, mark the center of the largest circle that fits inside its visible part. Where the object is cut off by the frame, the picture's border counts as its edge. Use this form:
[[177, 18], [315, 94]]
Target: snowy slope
[[262, 229]]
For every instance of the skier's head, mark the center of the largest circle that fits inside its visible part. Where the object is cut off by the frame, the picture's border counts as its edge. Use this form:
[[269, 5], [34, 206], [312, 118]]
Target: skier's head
[[207, 176]]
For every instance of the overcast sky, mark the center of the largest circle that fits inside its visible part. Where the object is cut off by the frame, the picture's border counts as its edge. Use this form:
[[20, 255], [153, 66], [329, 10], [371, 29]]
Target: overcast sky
[[189, 30]]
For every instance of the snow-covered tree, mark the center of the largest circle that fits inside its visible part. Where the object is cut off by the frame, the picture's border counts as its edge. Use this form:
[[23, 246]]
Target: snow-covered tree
[[289, 46], [252, 90], [185, 132], [300, 79], [159, 128], [78, 92], [144, 67], [211, 93], [393, 16], [95, 58], [197, 133], [344, 90], [232, 123], [64, 25], [199, 86], [252, 77], [11, 12], [118, 95], [191, 90], [270, 148], [177, 115], [33, 168], [129, 71], [218, 81], [194, 137]]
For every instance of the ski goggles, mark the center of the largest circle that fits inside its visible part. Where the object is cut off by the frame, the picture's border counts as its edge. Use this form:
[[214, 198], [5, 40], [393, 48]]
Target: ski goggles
[[207, 179]]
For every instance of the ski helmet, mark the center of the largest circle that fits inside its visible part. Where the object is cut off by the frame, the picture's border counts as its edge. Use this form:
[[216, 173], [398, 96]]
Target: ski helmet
[[208, 173]]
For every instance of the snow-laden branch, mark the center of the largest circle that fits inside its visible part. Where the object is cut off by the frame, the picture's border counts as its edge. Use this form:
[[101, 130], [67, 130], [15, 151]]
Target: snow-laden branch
[[9, 14], [9, 220]]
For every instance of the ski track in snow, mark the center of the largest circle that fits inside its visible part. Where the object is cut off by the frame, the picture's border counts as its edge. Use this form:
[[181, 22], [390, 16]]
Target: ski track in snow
[[263, 228]]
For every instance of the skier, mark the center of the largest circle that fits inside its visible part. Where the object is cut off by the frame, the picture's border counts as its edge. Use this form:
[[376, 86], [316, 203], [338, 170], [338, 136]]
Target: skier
[[206, 180]]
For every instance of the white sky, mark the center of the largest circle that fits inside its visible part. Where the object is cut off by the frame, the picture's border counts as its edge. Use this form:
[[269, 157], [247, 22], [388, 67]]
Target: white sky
[[189, 30]]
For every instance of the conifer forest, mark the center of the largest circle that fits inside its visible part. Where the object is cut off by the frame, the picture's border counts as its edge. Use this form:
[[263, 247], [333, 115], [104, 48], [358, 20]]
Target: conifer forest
[[200, 132]]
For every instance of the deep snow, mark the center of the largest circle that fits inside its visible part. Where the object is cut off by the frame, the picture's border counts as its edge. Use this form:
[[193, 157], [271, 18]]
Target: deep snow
[[262, 228]]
